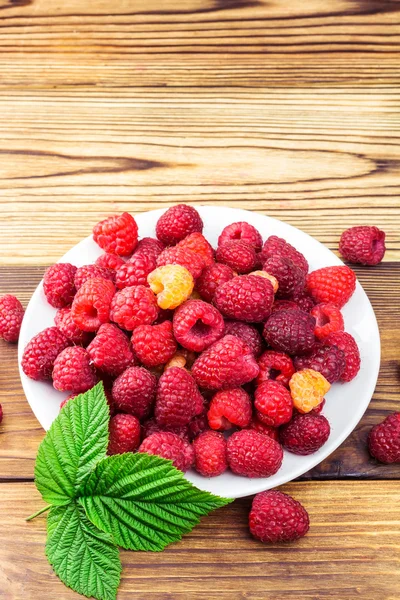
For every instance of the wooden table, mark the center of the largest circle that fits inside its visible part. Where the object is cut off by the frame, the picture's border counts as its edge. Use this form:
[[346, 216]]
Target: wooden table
[[289, 109]]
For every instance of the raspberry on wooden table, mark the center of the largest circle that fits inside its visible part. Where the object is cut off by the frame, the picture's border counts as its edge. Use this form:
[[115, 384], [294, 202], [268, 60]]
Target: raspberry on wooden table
[[276, 366], [58, 284], [308, 388], [154, 344], [73, 371], [328, 319], [11, 315], [135, 271], [276, 246], [151, 426], [363, 244], [87, 272], [305, 434], [69, 328], [247, 333], [277, 517], [289, 276], [172, 284], [197, 243], [241, 231], [273, 403], [348, 345], [328, 360], [117, 234], [41, 352], [124, 434], [197, 325], [177, 223], [110, 261], [183, 256], [92, 302], [290, 331], [212, 277], [253, 454], [149, 247], [245, 298], [178, 398], [230, 408], [332, 284], [170, 446], [134, 392], [110, 350], [241, 257], [210, 458], [134, 306], [384, 440]]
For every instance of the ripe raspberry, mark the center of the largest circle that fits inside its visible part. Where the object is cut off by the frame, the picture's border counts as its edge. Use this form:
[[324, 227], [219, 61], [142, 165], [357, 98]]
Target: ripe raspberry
[[273, 403], [326, 359], [228, 363], [304, 301], [11, 315], [58, 284], [124, 432], [135, 271], [151, 426], [284, 305], [247, 333], [241, 257], [117, 234], [253, 454], [196, 242], [178, 398], [308, 388], [177, 223], [41, 352], [110, 350], [272, 432], [197, 325], [210, 457], [305, 434], [198, 425], [211, 278], [363, 244], [110, 261], [275, 246], [241, 231], [73, 371], [332, 284], [92, 302], [348, 344], [134, 392], [172, 284], [290, 331], [276, 517], [154, 344], [150, 247], [229, 408], [170, 446], [290, 277], [134, 306], [328, 318], [276, 366], [69, 328], [384, 440], [87, 272], [175, 255], [245, 298], [273, 280]]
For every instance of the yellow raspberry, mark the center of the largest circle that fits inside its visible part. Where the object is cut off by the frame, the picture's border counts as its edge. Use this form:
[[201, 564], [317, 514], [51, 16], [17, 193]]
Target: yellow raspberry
[[308, 388], [270, 278], [172, 284]]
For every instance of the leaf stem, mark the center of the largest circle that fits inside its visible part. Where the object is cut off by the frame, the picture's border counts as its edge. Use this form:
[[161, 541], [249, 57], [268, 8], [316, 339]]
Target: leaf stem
[[39, 512]]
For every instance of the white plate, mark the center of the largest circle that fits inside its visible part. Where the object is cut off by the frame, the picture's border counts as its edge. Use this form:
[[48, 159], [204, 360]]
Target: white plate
[[345, 403]]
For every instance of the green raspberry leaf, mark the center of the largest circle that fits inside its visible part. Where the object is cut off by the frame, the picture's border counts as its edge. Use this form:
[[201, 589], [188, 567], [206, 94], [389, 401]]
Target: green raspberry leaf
[[143, 501], [75, 442], [84, 558]]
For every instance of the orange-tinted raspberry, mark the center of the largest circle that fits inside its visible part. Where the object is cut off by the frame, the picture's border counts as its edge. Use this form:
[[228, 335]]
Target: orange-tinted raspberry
[[308, 388], [172, 284], [270, 278]]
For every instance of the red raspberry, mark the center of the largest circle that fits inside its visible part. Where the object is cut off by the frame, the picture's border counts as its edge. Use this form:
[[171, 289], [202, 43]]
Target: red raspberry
[[197, 325], [347, 343], [178, 398], [272, 432], [229, 408], [154, 344], [246, 298], [284, 305], [92, 302], [151, 426], [290, 331], [253, 454], [276, 517], [87, 272], [134, 392], [110, 350], [193, 262], [326, 359], [117, 234], [73, 371], [384, 440], [275, 246], [241, 231], [210, 454], [241, 257], [228, 363], [110, 261], [328, 318], [124, 432], [198, 425], [290, 277], [276, 366], [211, 278], [135, 271], [273, 403], [69, 328], [41, 352], [58, 284], [332, 284], [305, 434], [247, 333], [134, 306], [170, 446], [304, 301], [11, 315], [178, 222], [363, 244], [197, 243], [149, 247]]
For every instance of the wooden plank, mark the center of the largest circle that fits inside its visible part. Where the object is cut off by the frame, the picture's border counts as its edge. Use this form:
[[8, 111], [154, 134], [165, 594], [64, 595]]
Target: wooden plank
[[350, 552]]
